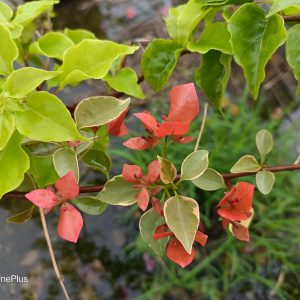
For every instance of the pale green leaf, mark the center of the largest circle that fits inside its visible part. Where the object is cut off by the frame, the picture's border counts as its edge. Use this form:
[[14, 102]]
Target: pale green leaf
[[91, 59], [125, 81], [77, 35], [264, 142], [194, 165], [218, 3], [293, 51], [210, 180], [159, 61], [65, 160], [31, 10], [8, 51], [98, 160], [148, 222], [117, 191], [22, 81], [246, 163], [7, 127], [279, 5], [182, 217], [215, 36], [14, 162], [265, 181], [90, 205], [254, 39], [96, 111], [6, 12], [45, 118], [213, 75], [168, 171]]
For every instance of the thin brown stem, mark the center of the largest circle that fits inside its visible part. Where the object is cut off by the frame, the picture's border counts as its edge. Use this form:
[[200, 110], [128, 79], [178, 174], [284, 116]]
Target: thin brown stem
[[202, 127], [51, 252], [293, 18]]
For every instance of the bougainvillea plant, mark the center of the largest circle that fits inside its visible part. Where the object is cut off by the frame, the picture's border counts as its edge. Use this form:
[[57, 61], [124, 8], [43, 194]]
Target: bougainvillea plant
[[42, 140]]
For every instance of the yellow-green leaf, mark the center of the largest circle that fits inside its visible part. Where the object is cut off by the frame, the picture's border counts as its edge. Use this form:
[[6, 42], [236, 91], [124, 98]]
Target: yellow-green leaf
[[279, 5], [7, 127], [246, 163], [265, 181], [264, 142], [210, 180], [168, 171]]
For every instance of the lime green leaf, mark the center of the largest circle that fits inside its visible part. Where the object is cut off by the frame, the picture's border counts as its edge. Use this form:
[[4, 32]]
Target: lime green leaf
[[194, 165], [117, 191], [159, 61], [279, 5], [42, 170], [148, 222], [77, 35], [246, 163], [90, 205], [54, 44], [91, 59], [7, 128], [65, 160], [217, 3], [264, 142], [254, 39], [46, 119], [6, 12], [98, 160], [210, 180], [22, 81], [168, 171], [182, 217], [265, 181], [213, 75], [8, 51], [182, 20], [125, 81], [96, 111], [31, 10], [215, 36], [22, 217], [293, 51], [14, 162]]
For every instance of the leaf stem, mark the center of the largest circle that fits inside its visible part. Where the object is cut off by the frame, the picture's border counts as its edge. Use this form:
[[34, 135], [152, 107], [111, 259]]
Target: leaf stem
[[51, 252], [201, 128]]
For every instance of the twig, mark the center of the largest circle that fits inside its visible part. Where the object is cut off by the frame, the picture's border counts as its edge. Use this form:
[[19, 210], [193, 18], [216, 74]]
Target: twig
[[294, 18], [51, 252], [202, 127]]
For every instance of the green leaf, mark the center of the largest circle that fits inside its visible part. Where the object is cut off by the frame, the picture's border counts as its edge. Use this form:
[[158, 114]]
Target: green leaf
[[27, 185], [54, 44], [210, 180], [264, 142], [194, 165], [90, 205], [279, 5], [8, 51], [182, 20], [45, 118], [293, 52], [246, 163], [168, 171], [65, 160], [42, 170], [215, 36], [117, 191], [254, 39], [7, 128], [14, 162], [6, 12], [96, 111], [125, 81], [148, 222], [265, 181], [159, 61], [77, 35], [213, 75], [22, 217], [182, 217], [22, 81], [218, 3], [91, 59], [31, 10], [98, 160]]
